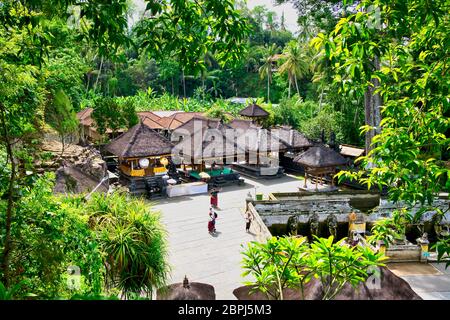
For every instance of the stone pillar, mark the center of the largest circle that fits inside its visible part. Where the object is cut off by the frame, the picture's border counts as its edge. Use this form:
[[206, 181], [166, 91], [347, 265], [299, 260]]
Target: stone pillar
[[423, 243], [306, 178]]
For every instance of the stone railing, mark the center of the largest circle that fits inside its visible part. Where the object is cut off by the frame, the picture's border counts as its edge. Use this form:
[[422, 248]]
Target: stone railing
[[258, 226]]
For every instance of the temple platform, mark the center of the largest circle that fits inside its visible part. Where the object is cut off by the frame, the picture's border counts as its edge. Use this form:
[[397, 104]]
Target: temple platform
[[259, 172], [218, 178]]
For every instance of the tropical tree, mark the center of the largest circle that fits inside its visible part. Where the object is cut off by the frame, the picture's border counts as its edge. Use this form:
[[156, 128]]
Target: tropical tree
[[184, 29], [290, 262], [336, 264], [295, 64], [49, 236], [111, 114], [273, 265], [219, 110], [133, 242], [266, 68], [61, 116], [398, 60]]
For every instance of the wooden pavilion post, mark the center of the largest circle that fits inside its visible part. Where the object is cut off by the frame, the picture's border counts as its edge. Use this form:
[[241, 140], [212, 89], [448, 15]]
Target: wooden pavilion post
[[317, 179]]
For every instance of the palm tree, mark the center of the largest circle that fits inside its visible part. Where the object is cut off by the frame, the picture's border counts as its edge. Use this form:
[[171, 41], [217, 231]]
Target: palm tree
[[319, 69], [295, 64], [266, 69], [133, 242]]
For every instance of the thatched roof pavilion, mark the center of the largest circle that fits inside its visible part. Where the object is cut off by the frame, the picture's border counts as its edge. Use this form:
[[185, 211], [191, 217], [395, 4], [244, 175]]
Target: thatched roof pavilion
[[177, 119], [206, 140], [320, 157], [197, 123], [242, 124], [139, 141], [351, 151], [150, 119], [320, 161], [140, 150], [187, 291], [253, 111], [293, 138]]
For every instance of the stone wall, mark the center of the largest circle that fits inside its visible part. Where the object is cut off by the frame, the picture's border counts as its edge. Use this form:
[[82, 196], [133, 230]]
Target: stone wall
[[341, 204], [78, 169]]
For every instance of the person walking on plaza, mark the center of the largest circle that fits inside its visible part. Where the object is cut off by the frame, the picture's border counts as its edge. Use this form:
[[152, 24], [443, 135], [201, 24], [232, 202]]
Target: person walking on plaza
[[248, 221], [214, 198], [212, 221]]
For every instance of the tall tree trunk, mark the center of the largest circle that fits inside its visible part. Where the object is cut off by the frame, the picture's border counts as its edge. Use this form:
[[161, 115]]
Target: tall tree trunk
[[320, 99], [296, 85], [88, 82], [372, 104], [268, 88], [99, 73], [10, 203], [289, 87], [377, 98], [184, 84]]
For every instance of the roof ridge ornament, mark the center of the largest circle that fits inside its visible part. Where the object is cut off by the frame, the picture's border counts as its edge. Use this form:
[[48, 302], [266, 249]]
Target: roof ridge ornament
[[186, 283]]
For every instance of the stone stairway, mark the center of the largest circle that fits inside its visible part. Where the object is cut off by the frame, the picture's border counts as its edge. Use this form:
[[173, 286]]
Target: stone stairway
[[152, 187]]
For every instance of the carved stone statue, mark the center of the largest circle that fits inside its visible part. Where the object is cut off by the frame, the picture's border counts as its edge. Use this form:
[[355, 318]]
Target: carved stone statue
[[354, 240], [314, 224], [292, 225], [440, 228], [332, 224]]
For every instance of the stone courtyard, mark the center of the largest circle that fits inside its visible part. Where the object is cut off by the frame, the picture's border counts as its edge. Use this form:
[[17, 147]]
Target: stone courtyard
[[213, 259], [216, 259]]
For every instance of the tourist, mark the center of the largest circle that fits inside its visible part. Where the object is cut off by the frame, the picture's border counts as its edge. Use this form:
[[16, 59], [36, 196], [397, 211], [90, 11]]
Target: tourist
[[248, 221], [214, 200], [212, 221], [211, 226]]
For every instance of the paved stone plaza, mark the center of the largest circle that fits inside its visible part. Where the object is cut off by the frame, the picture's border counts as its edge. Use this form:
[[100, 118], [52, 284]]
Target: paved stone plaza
[[205, 258], [216, 259], [430, 281]]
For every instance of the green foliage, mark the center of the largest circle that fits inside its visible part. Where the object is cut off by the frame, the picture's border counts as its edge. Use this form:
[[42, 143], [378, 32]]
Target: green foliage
[[311, 119], [61, 116], [218, 111], [443, 249], [294, 63], [118, 244], [265, 71], [8, 294], [64, 71], [337, 264], [48, 238], [273, 265], [413, 82], [389, 230], [289, 262], [133, 241], [189, 29], [414, 87], [326, 120], [114, 114]]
